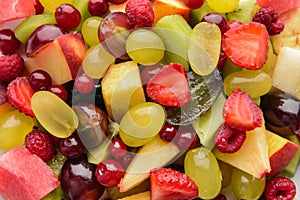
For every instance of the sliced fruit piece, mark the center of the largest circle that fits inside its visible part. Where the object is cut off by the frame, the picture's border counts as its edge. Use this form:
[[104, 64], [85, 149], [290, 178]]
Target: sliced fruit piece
[[291, 169], [204, 48], [223, 6], [253, 155], [281, 152], [280, 6], [61, 58], [169, 184], [139, 196], [122, 89], [17, 179], [253, 38], [169, 86], [170, 7], [154, 154], [244, 12]]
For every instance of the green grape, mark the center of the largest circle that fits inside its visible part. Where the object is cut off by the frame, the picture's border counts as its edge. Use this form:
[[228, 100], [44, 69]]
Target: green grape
[[197, 14], [14, 126], [89, 30], [226, 171], [223, 6], [255, 83], [51, 5], [57, 117], [246, 186], [202, 166], [229, 68], [141, 123], [82, 6], [272, 58], [96, 61], [145, 47]]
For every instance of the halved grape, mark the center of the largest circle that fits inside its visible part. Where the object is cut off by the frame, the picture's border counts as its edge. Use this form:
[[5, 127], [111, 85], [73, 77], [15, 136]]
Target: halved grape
[[141, 123], [202, 166], [57, 117], [89, 30]]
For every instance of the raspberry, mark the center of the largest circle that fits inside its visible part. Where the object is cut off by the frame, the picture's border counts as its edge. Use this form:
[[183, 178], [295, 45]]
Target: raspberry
[[3, 89], [38, 142], [11, 66], [270, 19], [280, 187], [229, 140], [140, 13]]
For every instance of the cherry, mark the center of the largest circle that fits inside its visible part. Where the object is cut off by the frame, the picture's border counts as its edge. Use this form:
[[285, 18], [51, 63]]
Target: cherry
[[109, 173], [217, 19], [40, 80], [187, 138], [126, 160], [98, 7], [117, 148], [193, 4], [84, 84], [71, 147], [168, 132], [39, 9], [60, 91], [9, 44], [67, 16]]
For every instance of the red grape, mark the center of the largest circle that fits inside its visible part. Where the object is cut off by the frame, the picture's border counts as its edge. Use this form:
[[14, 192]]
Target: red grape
[[59, 91], [9, 44], [109, 173], [168, 132], [40, 80], [67, 16], [84, 84], [187, 138], [98, 7], [117, 148], [193, 4], [217, 19], [71, 147]]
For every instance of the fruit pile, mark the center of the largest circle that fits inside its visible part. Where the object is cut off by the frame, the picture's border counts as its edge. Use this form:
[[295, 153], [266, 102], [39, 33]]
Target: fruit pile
[[149, 99]]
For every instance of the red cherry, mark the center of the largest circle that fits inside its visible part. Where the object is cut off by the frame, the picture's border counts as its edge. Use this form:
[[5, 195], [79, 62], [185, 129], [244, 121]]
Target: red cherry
[[117, 148], [187, 138], [109, 173], [60, 91], [98, 7], [40, 80], [193, 4], [168, 132], [67, 16]]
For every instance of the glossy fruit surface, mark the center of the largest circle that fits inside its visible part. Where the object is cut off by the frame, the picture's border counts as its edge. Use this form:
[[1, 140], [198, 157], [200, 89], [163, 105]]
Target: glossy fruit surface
[[89, 30], [98, 7], [217, 19], [40, 80], [59, 90], [193, 4], [117, 148], [71, 147], [84, 84], [187, 138], [109, 173], [168, 132], [9, 44], [51, 5], [223, 6], [64, 13]]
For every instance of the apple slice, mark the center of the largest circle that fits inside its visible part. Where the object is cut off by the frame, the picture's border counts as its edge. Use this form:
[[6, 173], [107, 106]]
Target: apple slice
[[291, 169], [152, 155], [139, 196], [122, 89], [252, 157], [61, 58], [281, 152]]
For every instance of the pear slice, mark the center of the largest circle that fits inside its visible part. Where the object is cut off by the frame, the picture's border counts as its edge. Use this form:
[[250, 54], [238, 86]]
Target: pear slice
[[252, 157], [154, 154]]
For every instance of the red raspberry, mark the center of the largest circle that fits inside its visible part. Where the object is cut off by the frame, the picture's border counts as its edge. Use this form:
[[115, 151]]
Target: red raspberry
[[38, 142], [11, 66], [140, 13], [280, 187], [3, 89], [229, 140]]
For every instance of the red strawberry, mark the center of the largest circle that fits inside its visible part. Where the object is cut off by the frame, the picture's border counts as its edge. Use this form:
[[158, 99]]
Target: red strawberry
[[247, 45], [11, 66], [169, 184], [140, 13], [19, 94], [241, 112], [169, 86]]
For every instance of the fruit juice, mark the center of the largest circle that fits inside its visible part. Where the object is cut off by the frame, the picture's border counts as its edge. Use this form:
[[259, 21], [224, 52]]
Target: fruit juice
[[151, 99]]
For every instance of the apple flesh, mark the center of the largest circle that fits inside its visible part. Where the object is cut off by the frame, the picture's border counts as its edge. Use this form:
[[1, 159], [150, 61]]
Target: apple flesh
[[61, 58], [281, 151]]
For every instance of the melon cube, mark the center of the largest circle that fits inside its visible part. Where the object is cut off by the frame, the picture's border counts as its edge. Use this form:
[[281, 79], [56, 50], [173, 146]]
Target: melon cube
[[24, 176]]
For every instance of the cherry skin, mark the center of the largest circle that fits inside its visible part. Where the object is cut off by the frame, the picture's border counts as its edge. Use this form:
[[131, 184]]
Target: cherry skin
[[64, 13], [71, 147], [9, 44], [117, 148], [168, 132], [193, 4], [60, 91], [40, 80], [187, 138], [98, 7]]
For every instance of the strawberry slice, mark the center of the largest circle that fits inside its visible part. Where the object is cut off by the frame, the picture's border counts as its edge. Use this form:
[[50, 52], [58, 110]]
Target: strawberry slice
[[241, 112], [169, 184], [169, 86], [247, 45], [19, 94]]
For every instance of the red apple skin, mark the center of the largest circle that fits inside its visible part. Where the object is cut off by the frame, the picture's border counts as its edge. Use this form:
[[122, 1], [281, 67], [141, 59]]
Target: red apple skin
[[281, 158]]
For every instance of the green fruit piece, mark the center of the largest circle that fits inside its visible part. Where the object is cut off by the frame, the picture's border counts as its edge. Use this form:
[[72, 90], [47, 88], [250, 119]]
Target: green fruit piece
[[291, 169], [201, 165], [229, 68], [207, 125], [271, 61], [244, 12], [25, 28], [204, 48], [51, 5], [56, 194], [223, 6], [57, 117], [56, 163], [175, 32], [89, 30], [82, 6], [204, 92]]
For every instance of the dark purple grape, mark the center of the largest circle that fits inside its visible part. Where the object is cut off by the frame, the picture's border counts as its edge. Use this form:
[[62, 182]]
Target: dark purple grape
[[217, 19], [117, 1], [98, 7], [9, 44], [78, 180], [71, 147], [67, 16], [40, 80], [41, 36]]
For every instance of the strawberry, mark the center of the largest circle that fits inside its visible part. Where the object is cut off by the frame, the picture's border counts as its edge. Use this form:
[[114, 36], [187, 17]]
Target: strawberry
[[11, 66], [241, 112], [140, 13], [19, 94], [169, 184], [247, 45], [169, 86]]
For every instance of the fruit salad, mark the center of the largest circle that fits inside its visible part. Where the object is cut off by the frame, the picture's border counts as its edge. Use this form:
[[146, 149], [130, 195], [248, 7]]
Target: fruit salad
[[149, 99]]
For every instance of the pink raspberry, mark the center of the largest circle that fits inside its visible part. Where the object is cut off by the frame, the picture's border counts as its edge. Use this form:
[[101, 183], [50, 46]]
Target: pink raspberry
[[140, 13], [11, 66], [280, 187], [38, 142]]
